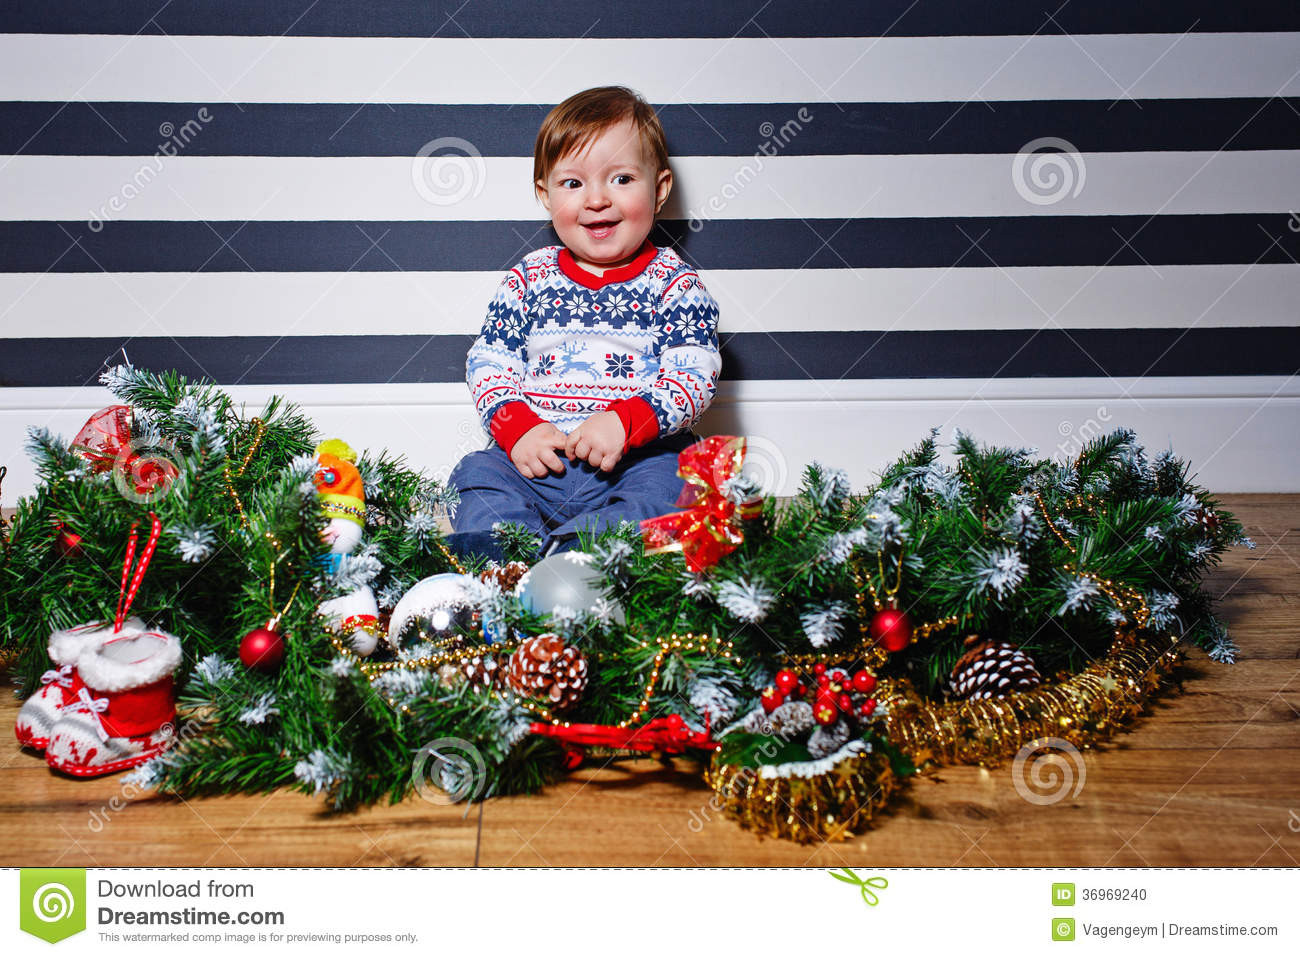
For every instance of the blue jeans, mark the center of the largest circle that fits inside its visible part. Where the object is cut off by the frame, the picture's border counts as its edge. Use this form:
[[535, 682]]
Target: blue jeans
[[556, 508]]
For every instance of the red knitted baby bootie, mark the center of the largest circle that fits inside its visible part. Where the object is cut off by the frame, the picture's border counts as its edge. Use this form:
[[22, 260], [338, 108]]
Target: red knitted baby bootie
[[125, 712], [59, 685]]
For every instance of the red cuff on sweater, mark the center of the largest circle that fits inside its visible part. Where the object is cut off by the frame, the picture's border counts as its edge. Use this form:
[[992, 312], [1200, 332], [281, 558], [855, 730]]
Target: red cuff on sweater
[[511, 421], [640, 424]]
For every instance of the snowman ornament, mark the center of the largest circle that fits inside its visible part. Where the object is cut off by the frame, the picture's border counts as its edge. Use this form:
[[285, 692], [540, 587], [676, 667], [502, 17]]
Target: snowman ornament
[[342, 498]]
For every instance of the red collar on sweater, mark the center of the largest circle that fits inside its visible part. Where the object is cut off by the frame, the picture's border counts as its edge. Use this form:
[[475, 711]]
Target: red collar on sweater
[[619, 274]]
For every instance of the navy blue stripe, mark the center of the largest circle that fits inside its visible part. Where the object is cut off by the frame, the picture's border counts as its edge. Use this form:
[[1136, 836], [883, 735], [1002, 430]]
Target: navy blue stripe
[[666, 18], [270, 246], [999, 353], [732, 129]]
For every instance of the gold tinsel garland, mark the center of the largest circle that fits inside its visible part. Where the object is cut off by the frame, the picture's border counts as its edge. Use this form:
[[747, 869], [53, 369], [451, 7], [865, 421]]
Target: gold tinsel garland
[[826, 807], [1082, 709]]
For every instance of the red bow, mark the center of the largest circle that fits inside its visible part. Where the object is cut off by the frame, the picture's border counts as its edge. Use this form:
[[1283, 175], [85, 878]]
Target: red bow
[[105, 442], [103, 437], [709, 527]]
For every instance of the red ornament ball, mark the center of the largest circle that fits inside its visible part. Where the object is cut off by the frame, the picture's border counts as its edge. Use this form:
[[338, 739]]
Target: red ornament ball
[[262, 650], [771, 699], [819, 669], [786, 680], [892, 629], [864, 681]]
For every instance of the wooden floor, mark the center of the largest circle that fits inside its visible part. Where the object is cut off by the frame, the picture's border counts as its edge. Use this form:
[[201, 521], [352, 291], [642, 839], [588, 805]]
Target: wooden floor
[[1208, 777]]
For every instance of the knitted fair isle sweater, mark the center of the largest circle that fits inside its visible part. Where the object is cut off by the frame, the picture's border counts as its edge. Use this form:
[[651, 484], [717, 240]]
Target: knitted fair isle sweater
[[560, 343]]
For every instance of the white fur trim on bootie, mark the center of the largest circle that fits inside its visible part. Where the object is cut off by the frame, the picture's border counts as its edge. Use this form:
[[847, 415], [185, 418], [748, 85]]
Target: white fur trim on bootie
[[130, 660], [67, 644]]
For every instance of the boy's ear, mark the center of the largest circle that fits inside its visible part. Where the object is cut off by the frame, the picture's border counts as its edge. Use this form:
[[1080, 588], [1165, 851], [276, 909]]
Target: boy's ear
[[539, 186], [663, 186]]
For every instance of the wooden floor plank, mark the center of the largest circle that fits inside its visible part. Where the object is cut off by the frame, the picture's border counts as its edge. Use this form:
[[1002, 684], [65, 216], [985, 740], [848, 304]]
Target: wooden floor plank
[[1208, 776]]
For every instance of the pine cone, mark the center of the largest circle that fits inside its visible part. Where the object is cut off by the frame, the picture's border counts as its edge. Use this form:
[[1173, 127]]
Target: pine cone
[[483, 671], [993, 669], [544, 667], [826, 740], [505, 577]]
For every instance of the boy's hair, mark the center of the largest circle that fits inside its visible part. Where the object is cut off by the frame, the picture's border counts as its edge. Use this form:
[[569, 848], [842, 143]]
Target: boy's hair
[[579, 119]]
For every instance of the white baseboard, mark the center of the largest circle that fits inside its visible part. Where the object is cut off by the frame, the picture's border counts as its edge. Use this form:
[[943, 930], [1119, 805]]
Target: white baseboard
[[1239, 434]]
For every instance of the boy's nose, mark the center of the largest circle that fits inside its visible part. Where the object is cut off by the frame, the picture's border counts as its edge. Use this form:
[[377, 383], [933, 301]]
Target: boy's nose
[[597, 198]]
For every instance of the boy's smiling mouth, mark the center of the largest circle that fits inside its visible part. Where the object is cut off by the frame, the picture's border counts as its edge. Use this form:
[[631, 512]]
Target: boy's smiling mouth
[[601, 228]]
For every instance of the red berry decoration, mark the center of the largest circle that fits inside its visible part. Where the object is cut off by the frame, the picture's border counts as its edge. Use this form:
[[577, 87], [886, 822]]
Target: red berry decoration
[[771, 699], [845, 702], [800, 691], [824, 712], [823, 681], [819, 669], [262, 650], [864, 682], [868, 707], [786, 680], [892, 629]]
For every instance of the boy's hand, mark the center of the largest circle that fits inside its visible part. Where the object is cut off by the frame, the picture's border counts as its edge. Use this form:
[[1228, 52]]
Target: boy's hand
[[534, 453], [598, 441]]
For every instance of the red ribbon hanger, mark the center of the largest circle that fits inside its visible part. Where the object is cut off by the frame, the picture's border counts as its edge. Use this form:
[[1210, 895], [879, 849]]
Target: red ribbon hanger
[[126, 595]]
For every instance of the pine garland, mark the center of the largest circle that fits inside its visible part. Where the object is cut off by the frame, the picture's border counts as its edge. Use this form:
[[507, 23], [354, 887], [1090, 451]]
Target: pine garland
[[1049, 557]]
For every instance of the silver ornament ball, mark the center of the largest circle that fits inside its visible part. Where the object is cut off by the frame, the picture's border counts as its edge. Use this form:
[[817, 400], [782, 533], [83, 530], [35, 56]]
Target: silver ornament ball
[[567, 580]]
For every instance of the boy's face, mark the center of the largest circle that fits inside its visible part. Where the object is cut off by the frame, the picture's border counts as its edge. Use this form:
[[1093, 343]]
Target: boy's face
[[603, 200]]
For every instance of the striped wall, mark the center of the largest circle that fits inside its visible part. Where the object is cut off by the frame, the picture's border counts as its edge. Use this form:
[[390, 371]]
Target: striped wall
[[1034, 224]]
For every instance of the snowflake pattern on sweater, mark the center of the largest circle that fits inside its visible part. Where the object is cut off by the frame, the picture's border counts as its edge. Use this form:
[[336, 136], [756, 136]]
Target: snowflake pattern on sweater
[[569, 350]]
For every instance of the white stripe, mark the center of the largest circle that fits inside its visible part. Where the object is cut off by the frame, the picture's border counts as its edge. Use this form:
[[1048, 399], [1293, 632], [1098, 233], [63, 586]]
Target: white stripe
[[528, 71], [61, 305], [707, 188], [1237, 433]]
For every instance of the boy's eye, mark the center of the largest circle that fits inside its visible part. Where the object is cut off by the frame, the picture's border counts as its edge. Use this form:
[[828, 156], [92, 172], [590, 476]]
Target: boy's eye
[[570, 183], [623, 179]]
